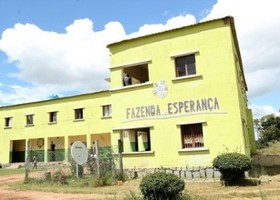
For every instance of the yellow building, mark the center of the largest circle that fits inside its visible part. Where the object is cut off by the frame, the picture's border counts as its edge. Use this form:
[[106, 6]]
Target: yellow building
[[177, 99]]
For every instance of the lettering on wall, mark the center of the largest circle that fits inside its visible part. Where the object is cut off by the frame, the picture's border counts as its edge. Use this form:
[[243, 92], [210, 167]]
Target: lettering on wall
[[173, 109]]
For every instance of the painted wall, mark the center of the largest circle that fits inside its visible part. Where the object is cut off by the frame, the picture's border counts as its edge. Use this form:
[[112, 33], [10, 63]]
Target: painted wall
[[67, 129], [218, 70]]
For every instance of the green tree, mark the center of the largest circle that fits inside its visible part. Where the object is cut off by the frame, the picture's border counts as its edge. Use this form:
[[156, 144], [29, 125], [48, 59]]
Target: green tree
[[268, 128]]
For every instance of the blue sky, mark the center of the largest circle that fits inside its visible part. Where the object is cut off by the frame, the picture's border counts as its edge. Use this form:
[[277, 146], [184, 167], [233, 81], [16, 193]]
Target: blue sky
[[59, 46]]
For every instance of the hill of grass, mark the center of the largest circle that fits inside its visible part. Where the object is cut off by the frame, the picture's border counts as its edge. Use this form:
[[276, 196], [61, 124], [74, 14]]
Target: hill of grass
[[273, 148]]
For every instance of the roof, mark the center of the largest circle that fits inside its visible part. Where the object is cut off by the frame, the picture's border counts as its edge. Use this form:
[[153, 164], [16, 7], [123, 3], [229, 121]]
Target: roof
[[52, 100], [168, 30]]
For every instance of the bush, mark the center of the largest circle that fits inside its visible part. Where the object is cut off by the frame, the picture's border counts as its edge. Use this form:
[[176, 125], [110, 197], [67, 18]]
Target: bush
[[104, 179], [59, 177], [161, 185], [232, 167]]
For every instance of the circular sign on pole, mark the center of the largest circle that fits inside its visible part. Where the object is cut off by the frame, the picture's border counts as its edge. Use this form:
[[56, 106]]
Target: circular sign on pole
[[79, 152]]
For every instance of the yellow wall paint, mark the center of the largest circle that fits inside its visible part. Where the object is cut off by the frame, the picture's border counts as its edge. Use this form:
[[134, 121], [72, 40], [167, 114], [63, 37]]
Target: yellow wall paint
[[215, 53], [66, 126]]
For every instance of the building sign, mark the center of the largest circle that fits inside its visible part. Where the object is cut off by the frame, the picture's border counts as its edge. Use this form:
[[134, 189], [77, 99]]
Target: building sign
[[173, 109]]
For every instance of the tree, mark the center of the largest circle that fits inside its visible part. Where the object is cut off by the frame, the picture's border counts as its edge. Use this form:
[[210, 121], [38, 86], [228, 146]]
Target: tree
[[268, 128]]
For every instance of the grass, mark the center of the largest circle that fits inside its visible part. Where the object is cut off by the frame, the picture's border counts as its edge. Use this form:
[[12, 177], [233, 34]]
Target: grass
[[130, 190], [273, 148], [5, 172], [84, 185]]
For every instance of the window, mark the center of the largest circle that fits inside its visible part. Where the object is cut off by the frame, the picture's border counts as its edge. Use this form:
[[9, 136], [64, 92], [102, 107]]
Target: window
[[192, 136], [106, 110], [136, 74], [185, 65], [52, 117], [136, 140], [8, 122], [29, 119], [79, 113]]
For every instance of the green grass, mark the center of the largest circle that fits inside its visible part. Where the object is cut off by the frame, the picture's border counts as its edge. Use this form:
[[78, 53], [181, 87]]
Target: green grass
[[74, 185], [273, 148], [5, 172]]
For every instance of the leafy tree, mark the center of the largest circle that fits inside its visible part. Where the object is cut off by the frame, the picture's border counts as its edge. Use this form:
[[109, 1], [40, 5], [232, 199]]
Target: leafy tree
[[268, 128]]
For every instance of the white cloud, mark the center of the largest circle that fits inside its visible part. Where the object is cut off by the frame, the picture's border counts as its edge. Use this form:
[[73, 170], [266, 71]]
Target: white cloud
[[259, 111], [77, 60], [258, 31], [174, 22]]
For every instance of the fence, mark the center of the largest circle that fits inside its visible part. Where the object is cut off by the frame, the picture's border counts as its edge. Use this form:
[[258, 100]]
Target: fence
[[265, 165], [207, 173]]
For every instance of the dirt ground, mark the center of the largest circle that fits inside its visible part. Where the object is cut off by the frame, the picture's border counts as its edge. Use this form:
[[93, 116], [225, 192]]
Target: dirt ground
[[268, 189], [7, 194]]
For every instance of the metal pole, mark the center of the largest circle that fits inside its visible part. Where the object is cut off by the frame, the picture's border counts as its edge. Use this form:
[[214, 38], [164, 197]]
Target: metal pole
[[77, 170], [96, 146]]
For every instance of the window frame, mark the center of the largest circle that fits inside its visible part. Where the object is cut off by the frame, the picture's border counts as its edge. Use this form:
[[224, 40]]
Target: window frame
[[106, 111], [29, 120], [78, 114], [189, 68], [8, 122], [126, 68], [53, 117], [194, 141], [133, 137], [185, 54]]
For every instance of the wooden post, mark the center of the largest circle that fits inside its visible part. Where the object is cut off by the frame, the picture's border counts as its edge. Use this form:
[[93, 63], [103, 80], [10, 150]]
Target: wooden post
[[27, 149], [120, 145]]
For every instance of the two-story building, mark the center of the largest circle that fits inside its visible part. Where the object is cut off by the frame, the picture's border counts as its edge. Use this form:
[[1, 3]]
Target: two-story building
[[177, 99]]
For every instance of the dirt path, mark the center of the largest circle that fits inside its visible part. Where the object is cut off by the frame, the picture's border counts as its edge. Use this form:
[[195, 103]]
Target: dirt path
[[8, 194]]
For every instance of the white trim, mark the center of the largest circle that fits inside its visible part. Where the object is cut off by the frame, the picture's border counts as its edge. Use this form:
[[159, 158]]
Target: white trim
[[131, 64], [79, 120], [108, 104], [189, 123], [135, 153], [184, 53], [138, 152], [132, 86], [106, 117], [132, 127], [186, 77], [79, 108], [192, 149], [56, 111]]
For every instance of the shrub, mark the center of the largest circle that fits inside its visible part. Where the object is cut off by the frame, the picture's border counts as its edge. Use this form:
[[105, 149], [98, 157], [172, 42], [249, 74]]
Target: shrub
[[59, 177], [104, 179], [232, 167], [161, 185]]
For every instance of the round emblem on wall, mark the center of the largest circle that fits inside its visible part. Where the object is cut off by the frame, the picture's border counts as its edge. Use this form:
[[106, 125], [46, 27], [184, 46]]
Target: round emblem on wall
[[160, 89], [40, 142]]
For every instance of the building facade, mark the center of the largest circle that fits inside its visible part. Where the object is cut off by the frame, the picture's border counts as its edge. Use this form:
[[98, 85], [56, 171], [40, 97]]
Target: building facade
[[177, 99]]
